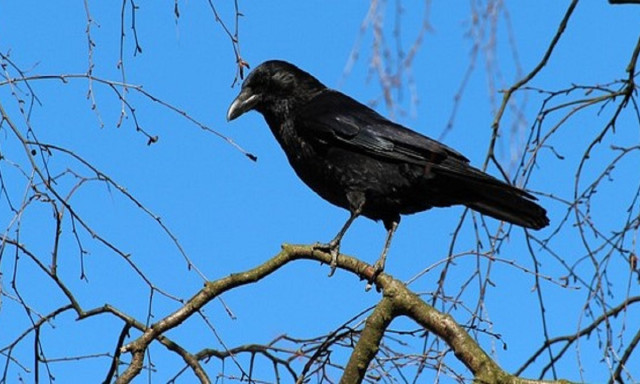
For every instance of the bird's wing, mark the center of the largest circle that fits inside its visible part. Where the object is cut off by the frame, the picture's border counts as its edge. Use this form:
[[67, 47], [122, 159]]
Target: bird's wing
[[335, 119]]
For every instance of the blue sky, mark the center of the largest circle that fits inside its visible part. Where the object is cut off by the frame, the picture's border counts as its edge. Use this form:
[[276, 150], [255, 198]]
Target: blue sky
[[231, 214]]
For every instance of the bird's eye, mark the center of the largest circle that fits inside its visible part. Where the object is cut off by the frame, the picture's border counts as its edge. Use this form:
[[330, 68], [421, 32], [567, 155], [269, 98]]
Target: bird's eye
[[283, 78]]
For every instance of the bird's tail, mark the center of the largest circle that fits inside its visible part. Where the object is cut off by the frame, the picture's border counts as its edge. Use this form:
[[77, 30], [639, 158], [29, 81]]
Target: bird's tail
[[502, 201], [511, 208]]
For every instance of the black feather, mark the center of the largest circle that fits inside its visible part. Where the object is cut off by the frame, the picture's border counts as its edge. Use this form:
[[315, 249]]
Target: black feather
[[358, 160]]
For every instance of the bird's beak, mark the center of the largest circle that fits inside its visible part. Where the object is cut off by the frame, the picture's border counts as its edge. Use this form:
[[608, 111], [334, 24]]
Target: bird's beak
[[245, 101]]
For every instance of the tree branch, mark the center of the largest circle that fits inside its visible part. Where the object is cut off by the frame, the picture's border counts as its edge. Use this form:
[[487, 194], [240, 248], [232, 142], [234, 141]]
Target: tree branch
[[369, 343], [397, 300], [495, 126]]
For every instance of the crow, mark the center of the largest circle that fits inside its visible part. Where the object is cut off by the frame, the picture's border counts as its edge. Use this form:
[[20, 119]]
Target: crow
[[358, 160]]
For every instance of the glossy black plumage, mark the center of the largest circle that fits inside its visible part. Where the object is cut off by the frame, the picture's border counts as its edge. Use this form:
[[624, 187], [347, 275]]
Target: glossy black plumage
[[358, 160]]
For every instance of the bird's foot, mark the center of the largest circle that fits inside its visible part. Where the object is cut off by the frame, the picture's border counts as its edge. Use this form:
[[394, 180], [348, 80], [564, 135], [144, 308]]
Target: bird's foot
[[378, 267], [333, 248]]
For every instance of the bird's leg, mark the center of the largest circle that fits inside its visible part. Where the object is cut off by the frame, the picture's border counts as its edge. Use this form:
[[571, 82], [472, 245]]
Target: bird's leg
[[378, 267], [334, 245]]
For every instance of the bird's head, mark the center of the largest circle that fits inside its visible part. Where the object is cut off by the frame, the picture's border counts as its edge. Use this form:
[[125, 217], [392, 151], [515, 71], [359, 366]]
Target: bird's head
[[271, 84]]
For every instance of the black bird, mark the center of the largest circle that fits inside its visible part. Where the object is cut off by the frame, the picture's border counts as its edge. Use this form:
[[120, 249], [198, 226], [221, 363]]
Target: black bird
[[358, 160]]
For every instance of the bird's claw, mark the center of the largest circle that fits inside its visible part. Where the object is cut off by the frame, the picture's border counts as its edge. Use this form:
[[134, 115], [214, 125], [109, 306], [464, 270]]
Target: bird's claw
[[333, 249], [334, 261], [378, 267]]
